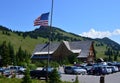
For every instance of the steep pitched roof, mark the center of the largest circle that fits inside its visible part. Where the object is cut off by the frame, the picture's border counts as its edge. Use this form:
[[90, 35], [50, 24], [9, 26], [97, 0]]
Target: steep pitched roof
[[80, 44], [67, 44], [80, 47], [43, 49]]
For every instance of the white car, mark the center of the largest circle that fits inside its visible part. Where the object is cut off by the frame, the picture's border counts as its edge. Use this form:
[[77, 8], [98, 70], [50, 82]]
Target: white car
[[114, 69], [17, 69]]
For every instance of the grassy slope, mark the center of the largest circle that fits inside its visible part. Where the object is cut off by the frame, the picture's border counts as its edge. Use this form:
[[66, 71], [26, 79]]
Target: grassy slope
[[100, 50], [30, 43], [17, 41], [69, 35], [27, 43]]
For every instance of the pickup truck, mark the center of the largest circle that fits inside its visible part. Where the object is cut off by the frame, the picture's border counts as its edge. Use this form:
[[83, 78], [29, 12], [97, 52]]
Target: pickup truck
[[40, 73]]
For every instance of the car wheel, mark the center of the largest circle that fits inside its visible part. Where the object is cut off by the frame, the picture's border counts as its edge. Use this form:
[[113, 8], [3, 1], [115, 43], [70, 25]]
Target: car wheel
[[65, 72]]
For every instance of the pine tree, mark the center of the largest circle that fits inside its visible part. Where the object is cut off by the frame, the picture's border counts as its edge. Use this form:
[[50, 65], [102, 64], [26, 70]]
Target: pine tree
[[27, 78], [116, 54], [12, 55], [5, 54], [54, 77], [20, 56], [26, 57]]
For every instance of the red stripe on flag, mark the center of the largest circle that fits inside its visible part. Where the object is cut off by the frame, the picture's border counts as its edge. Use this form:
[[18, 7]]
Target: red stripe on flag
[[42, 20]]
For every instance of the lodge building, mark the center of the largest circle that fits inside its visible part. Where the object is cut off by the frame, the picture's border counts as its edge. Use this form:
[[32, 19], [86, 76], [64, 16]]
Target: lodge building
[[84, 50]]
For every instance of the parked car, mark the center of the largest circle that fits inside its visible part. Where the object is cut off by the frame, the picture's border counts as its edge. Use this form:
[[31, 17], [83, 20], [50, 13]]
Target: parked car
[[89, 69], [41, 73], [102, 70], [114, 69], [114, 64], [17, 69], [6, 72], [1, 69], [74, 70], [21, 70]]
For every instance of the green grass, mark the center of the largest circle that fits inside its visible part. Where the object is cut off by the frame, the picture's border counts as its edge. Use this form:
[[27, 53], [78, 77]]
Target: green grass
[[29, 44], [17, 41], [8, 80], [100, 50], [69, 35], [14, 80]]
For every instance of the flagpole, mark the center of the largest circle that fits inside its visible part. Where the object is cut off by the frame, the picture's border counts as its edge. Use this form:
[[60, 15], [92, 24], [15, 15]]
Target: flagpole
[[49, 38], [50, 32], [51, 14]]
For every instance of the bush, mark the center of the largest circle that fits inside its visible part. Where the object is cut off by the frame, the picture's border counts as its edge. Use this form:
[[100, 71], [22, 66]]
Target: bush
[[54, 77], [54, 64], [32, 66], [27, 78], [2, 76]]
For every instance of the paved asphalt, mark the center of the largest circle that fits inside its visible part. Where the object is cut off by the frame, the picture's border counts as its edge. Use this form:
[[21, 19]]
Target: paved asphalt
[[111, 78]]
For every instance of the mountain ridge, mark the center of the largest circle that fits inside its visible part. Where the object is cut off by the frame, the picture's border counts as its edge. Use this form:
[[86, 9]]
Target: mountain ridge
[[29, 39]]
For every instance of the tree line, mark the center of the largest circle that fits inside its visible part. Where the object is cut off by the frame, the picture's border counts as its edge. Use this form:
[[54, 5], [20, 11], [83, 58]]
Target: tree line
[[112, 54], [10, 57], [54, 35]]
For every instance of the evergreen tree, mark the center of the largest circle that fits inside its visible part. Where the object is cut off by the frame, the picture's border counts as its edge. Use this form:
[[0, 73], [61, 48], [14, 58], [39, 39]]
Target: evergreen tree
[[109, 53], [12, 55], [5, 54], [115, 57], [54, 77], [26, 57], [20, 56], [72, 58], [116, 54], [27, 78]]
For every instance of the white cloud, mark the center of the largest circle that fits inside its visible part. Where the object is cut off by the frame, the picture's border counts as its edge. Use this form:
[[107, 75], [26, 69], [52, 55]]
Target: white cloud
[[116, 32], [92, 33]]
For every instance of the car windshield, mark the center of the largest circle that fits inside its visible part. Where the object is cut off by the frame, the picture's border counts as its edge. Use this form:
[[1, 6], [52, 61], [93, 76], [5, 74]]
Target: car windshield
[[76, 67], [49, 68], [88, 67]]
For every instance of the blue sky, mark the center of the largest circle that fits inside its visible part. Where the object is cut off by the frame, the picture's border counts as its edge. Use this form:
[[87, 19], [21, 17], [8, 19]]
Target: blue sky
[[90, 18]]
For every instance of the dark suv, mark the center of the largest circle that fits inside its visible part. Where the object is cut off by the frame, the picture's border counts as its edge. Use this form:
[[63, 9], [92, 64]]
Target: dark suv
[[102, 70], [41, 73]]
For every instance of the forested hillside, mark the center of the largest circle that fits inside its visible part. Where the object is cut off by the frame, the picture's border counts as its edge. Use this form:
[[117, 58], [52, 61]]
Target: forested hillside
[[105, 47]]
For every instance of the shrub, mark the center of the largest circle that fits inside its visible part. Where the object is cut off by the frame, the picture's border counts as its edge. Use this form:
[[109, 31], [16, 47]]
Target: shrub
[[27, 78], [54, 77]]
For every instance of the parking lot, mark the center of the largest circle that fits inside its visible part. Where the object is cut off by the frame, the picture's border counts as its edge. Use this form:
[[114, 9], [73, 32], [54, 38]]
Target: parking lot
[[111, 78]]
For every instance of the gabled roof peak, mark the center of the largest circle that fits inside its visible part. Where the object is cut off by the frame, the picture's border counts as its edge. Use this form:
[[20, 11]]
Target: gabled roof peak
[[67, 44]]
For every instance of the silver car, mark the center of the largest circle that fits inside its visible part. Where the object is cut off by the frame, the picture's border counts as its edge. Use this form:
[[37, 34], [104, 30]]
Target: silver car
[[74, 70]]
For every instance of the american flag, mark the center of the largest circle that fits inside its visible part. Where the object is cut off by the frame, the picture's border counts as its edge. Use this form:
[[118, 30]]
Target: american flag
[[42, 20]]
